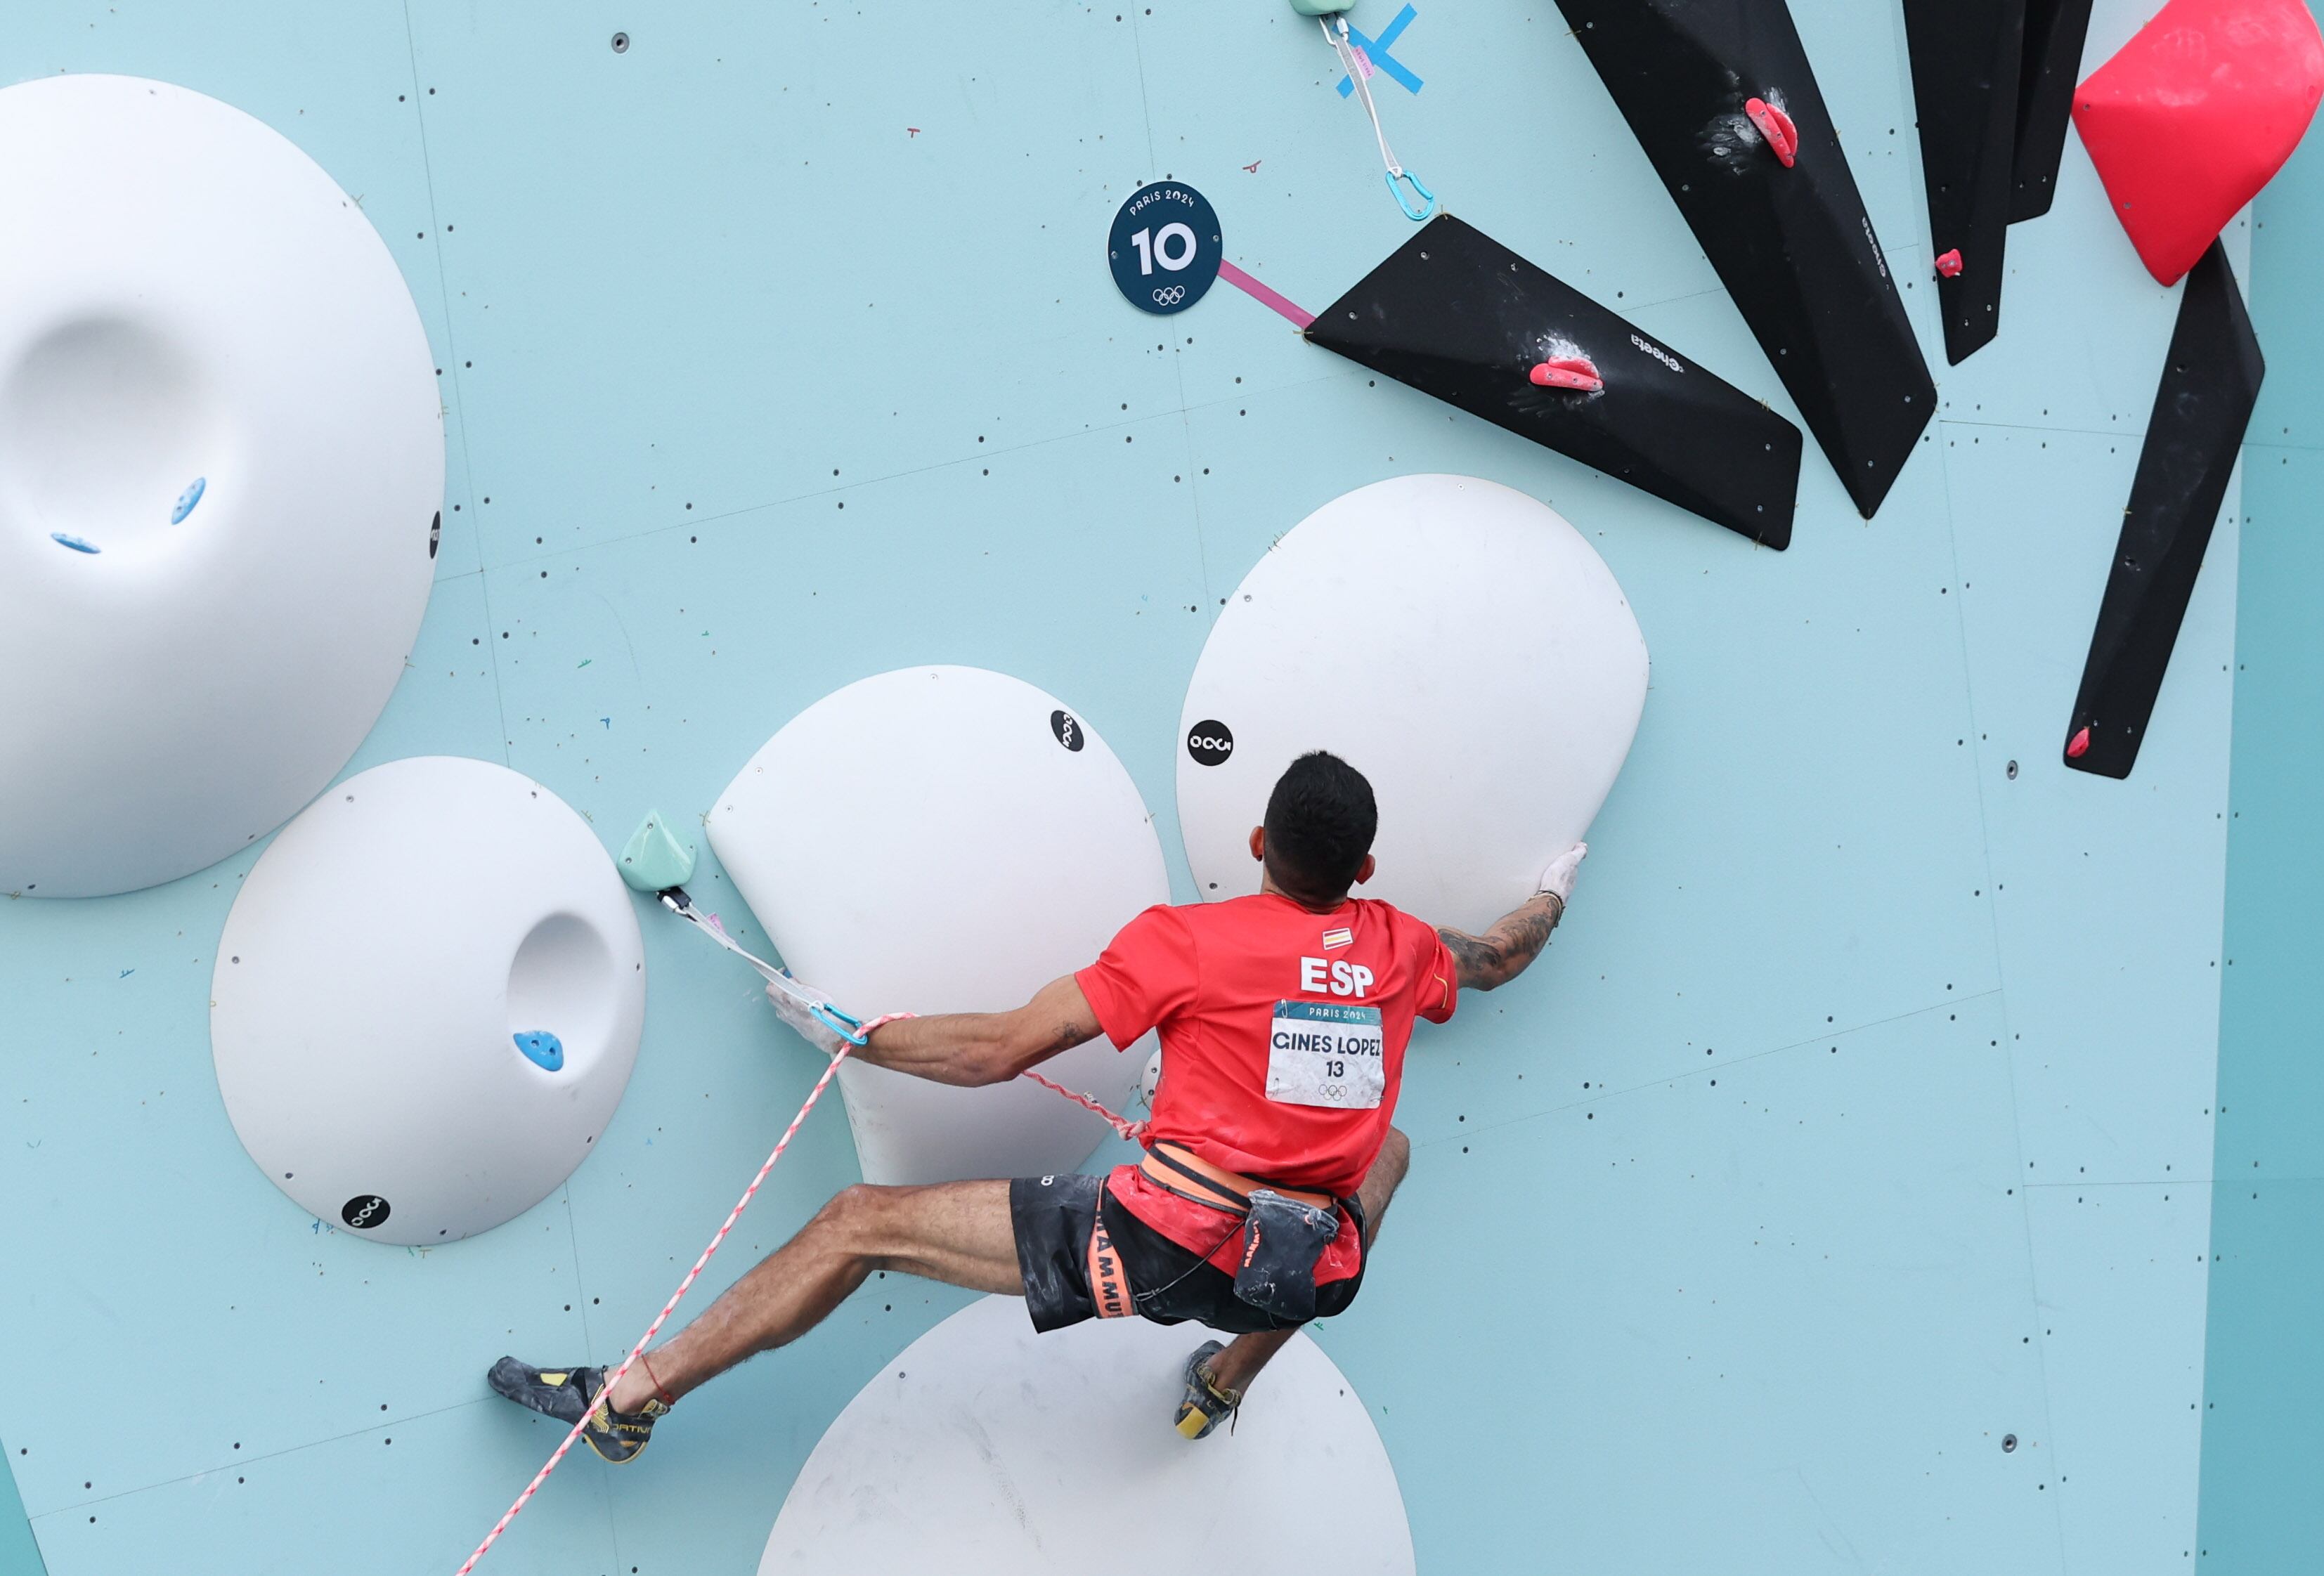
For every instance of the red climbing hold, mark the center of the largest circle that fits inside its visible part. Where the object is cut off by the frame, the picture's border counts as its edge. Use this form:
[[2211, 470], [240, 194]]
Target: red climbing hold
[[2079, 744], [1775, 126], [1950, 264], [1568, 372], [2195, 115]]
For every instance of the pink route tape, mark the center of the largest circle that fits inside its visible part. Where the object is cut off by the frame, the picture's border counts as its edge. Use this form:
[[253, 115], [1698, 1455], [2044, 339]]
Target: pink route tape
[[1134, 1132], [1265, 297]]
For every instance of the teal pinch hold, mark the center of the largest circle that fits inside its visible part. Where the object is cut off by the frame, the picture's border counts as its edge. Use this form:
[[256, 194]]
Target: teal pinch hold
[[653, 860]]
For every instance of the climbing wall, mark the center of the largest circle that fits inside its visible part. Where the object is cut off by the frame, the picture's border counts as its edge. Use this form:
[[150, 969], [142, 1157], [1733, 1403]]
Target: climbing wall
[[1836, 1195], [2262, 1386]]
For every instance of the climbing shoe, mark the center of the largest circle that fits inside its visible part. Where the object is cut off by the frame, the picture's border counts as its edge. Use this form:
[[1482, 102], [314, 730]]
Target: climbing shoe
[[565, 1394], [1205, 1403]]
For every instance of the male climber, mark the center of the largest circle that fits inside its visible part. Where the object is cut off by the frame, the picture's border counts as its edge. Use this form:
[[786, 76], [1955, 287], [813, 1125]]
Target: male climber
[[1284, 1019]]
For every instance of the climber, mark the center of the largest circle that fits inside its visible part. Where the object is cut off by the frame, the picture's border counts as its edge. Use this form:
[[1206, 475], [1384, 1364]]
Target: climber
[[1269, 1162]]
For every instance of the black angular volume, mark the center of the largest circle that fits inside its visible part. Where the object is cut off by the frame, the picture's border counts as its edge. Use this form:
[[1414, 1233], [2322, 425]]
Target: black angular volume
[[1719, 94], [1456, 314], [2209, 385], [2054, 31], [1965, 59]]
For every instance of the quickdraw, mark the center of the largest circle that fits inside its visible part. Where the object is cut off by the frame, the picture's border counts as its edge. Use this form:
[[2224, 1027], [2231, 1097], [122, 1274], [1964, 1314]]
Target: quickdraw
[[854, 1030], [1359, 71]]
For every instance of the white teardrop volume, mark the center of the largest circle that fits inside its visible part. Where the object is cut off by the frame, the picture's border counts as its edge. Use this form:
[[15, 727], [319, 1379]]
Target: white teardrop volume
[[1455, 641], [986, 1450], [221, 457], [428, 1001], [946, 840]]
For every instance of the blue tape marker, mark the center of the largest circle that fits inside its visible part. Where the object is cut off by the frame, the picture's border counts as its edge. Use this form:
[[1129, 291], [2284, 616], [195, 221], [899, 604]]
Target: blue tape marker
[[187, 499], [74, 542], [1377, 52], [542, 1050]]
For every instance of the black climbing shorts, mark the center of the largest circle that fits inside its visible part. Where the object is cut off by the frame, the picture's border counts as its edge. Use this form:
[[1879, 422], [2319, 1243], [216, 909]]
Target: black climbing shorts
[[1084, 1255]]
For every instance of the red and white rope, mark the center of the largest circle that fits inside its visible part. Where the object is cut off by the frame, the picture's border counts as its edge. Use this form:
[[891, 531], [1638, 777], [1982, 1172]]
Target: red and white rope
[[655, 1327], [1134, 1132]]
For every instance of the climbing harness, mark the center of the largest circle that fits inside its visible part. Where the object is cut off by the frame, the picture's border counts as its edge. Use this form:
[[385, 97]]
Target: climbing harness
[[1360, 70], [1284, 1229]]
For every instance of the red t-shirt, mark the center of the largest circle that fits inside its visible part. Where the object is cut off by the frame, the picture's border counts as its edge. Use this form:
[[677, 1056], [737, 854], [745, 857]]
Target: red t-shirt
[[1256, 993]]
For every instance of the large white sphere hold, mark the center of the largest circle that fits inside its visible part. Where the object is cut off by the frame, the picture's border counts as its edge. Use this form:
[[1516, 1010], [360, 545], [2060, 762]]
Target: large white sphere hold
[[221, 464], [946, 840], [385, 987], [1457, 642], [986, 1450]]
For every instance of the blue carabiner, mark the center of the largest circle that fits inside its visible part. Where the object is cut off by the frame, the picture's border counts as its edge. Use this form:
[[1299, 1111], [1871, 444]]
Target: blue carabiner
[[846, 1026], [1428, 197]]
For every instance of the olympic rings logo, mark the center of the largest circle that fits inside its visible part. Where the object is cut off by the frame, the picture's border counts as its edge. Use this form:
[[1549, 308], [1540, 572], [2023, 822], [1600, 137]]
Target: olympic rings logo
[[1170, 295]]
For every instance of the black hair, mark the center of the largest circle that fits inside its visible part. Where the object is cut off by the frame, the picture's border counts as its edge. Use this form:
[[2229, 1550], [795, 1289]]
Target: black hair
[[1320, 820]]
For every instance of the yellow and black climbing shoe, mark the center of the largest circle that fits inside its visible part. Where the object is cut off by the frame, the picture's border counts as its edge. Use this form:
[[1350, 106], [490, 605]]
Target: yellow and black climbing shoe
[[1205, 1403], [565, 1394]]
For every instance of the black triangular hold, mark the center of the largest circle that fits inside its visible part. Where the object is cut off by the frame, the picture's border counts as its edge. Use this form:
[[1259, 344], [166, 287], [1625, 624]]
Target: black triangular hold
[[1456, 314], [2209, 385], [2054, 31], [1791, 241], [1965, 59]]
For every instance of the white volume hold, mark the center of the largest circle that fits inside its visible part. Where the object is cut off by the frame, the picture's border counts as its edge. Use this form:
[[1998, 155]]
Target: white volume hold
[[946, 840], [986, 1450], [221, 473], [428, 1001], [1453, 640]]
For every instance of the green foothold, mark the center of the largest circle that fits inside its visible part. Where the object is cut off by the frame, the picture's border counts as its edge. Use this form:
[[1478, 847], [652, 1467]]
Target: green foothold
[[653, 860], [1322, 7]]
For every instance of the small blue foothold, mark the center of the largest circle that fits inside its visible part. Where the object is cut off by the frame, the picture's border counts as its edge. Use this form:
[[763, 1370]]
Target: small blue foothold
[[187, 499], [74, 542], [542, 1050]]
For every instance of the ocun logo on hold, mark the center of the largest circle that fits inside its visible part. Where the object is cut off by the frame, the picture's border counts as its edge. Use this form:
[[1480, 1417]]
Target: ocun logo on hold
[[1068, 731], [364, 1210], [1209, 743]]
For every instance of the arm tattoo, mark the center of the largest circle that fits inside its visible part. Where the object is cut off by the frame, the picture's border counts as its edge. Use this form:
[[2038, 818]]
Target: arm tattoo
[[1471, 957], [1502, 953]]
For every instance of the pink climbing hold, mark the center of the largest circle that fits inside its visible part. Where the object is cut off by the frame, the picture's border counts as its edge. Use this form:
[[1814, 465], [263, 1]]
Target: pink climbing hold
[[1950, 264], [2195, 115], [1782, 137], [2079, 745], [1568, 372]]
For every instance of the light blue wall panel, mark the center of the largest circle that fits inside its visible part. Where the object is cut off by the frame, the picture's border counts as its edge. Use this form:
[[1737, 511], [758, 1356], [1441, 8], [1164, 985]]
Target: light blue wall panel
[[2264, 1383], [1681, 1332], [778, 350], [20, 1550], [2119, 1277]]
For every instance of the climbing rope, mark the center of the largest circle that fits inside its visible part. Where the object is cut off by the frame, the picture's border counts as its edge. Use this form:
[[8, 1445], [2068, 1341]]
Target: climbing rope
[[654, 1329], [853, 1033], [852, 1029]]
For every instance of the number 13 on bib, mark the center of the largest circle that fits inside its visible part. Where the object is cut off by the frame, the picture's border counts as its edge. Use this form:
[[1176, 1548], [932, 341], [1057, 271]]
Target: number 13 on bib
[[1320, 1052]]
